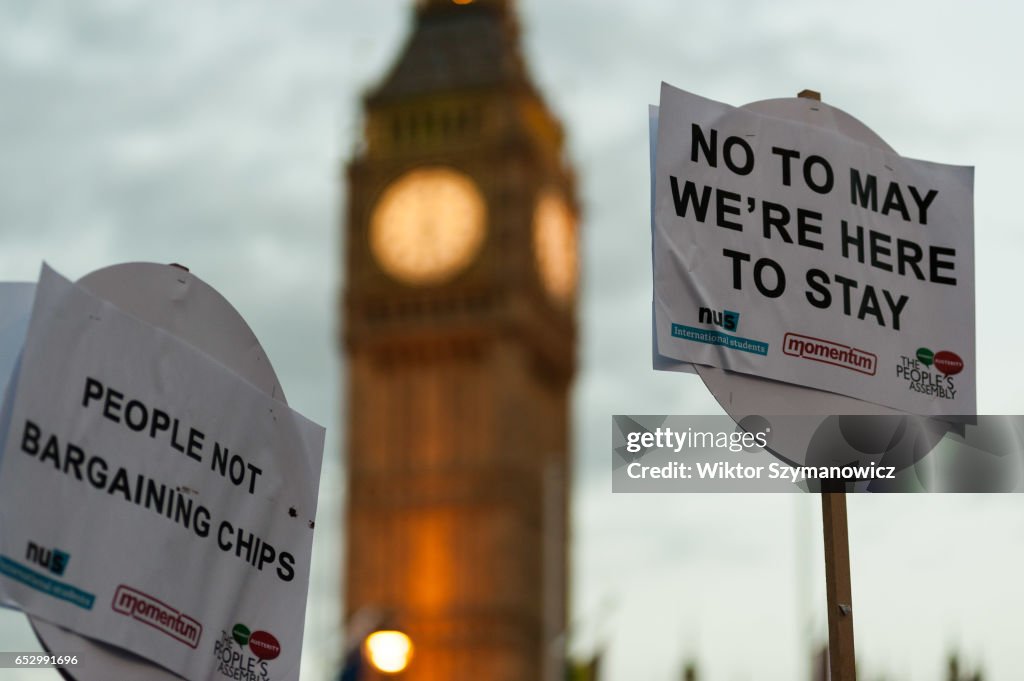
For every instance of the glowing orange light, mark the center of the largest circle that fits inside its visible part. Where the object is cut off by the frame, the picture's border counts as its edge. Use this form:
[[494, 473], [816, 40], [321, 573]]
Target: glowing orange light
[[462, 2], [389, 651]]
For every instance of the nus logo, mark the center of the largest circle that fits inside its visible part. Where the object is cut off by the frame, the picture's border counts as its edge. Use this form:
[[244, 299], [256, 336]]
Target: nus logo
[[727, 319], [53, 560]]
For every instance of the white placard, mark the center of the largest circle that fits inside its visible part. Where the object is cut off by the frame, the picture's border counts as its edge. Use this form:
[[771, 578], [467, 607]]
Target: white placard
[[790, 252], [151, 499], [658, 360]]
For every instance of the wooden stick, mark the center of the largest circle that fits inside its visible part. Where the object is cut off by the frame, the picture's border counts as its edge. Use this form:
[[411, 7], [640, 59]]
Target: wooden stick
[[838, 588]]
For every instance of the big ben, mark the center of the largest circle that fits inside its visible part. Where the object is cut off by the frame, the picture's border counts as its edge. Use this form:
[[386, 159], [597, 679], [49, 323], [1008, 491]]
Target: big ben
[[459, 331]]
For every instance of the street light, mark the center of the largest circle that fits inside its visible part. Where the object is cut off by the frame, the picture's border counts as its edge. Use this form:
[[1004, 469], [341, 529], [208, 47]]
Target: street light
[[388, 650]]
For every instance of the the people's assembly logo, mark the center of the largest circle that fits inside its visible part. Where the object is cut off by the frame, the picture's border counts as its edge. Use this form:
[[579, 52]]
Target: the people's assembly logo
[[931, 373], [248, 660]]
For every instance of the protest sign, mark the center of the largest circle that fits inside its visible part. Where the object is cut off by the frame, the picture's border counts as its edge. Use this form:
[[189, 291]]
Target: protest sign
[[152, 499], [659, 361], [795, 253]]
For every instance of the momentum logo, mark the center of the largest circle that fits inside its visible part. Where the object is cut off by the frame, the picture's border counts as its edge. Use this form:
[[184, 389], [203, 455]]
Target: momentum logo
[[830, 352], [157, 614]]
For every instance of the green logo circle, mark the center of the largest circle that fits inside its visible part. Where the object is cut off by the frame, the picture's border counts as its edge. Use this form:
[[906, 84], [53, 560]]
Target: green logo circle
[[925, 356], [241, 634]]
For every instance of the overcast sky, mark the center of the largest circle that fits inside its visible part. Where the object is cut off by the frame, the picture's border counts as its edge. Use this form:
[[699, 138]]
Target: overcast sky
[[212, 134]]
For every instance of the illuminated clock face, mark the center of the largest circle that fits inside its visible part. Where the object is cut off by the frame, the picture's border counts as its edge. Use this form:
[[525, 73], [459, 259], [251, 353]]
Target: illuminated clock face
[[554, 246], [428, 225]]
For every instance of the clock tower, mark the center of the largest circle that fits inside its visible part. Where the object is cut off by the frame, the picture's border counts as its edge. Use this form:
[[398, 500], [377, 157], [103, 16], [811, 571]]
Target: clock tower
[[459, 333]]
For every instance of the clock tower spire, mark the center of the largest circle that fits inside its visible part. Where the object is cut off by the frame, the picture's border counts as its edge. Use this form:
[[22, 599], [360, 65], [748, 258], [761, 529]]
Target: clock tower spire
[[459, 334]]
